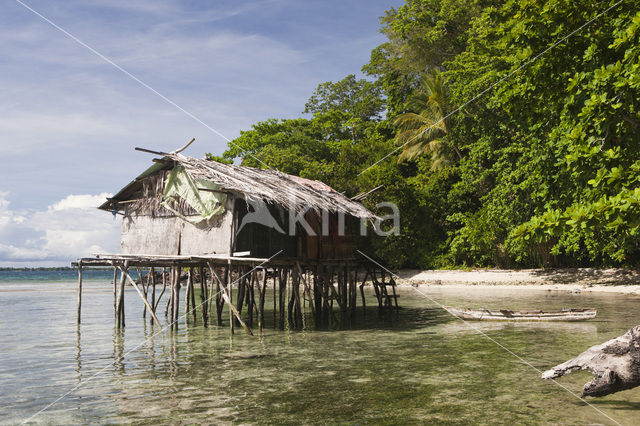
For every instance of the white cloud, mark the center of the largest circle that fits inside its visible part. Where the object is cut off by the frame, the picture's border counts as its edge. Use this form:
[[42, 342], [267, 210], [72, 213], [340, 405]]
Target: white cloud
[[80, 202], [66, 230]]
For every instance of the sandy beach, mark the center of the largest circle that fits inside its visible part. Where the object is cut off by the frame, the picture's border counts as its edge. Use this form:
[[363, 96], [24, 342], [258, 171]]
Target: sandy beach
[[622, 281]]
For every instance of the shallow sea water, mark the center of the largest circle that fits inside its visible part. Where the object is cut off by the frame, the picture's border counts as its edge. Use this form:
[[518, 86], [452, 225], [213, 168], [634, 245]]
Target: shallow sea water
[[421, 366]]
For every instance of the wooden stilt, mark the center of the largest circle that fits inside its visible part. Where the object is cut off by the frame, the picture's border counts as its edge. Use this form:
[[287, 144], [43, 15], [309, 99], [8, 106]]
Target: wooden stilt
[[226, 294], [353, 295], [290, 305], [251, 301], [388, 304], [261, 297], [144, 291], [229, 299], [187, 297], [171, 302], [210, 289], [295, 295], [364, 303], [169, 306], [276, 273], [152, 271], [235, 312], [193, 296], [176, 308], [115, 289], [219, 298], [325, 295], [392, 283], [144, 299], [219, 301], [164, 287], [282, 295], [317, 297], [194, 312], [376, 289], [79, 290], [242, 285], [203, 297], [307, 289], [120, 310]]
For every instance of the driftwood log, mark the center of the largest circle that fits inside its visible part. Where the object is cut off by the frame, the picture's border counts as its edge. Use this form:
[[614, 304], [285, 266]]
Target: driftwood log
[[615, 365]]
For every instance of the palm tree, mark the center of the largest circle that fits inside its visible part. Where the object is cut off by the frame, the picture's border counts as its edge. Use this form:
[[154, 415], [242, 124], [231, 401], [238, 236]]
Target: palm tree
[[423, 132]]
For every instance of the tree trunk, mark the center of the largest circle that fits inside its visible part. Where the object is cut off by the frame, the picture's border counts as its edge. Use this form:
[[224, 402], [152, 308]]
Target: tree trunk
[[615, 365]]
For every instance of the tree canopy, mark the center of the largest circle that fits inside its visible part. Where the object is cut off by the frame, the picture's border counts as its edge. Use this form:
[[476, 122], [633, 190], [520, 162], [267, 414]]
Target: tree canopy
[[540, 133]]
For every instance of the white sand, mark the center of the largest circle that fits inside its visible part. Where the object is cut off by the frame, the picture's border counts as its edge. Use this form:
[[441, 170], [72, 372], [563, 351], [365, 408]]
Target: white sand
[[576, 280]]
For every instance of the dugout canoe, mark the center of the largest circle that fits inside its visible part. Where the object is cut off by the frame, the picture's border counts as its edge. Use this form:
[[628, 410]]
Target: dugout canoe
[[569, 314]]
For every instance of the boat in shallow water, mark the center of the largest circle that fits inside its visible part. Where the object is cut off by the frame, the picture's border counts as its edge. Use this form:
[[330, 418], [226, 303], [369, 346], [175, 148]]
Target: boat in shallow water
[[569, 314]]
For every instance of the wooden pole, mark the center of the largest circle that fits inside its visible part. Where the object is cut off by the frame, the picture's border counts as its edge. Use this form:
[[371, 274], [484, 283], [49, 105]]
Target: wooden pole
[[152, 271], [261, 296], [291, 301], [79, 289], [242, 285], [237, 314], [120, 311], [251, 306], [364, 303], [115, 289], [324, 276], [193, 296], [307, 289], [275, 277], [211, 301], [219, 299], [317, 296], [164, 287], [203, 297], [281, 295], [353, 283], [170, 301], [144, 299], [295, 295], [144, 291], [229, 298], [220, 286], [187, 297], [395, 295], [226, 294], [176, 307]]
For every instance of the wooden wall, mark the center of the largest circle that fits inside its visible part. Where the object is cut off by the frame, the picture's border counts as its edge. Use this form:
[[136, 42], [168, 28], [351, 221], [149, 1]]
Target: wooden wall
[[172, 235]]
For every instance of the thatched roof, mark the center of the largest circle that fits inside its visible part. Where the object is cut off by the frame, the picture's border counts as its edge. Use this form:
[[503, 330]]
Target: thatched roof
[[272, 186]]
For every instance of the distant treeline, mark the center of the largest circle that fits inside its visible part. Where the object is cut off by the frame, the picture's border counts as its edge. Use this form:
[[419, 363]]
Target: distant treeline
[[53, 268]]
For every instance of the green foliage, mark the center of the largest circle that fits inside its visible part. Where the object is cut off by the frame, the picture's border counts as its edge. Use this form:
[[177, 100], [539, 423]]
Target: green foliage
[[424, 131], [422, 35], [539, 163], [551, 167]]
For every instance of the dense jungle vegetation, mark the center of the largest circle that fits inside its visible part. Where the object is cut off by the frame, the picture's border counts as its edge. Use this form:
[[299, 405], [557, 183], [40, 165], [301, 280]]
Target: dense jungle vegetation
[[509, 133]]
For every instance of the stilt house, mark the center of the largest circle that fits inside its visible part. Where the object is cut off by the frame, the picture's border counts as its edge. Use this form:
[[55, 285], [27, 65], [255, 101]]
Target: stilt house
[[233, 226], [188, 206]]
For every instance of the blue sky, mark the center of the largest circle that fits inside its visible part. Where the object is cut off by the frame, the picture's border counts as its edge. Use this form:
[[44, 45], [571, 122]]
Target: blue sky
[[70, 120]]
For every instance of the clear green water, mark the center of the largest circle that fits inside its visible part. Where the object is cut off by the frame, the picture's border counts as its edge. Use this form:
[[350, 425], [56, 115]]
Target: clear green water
[[424, 367]]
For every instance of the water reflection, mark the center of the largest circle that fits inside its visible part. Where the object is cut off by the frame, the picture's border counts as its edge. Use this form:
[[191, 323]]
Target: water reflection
[[118, 350]]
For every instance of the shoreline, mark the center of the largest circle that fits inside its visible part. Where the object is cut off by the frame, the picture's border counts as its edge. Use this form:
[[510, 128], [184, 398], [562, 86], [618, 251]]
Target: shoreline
[[575, 280]]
